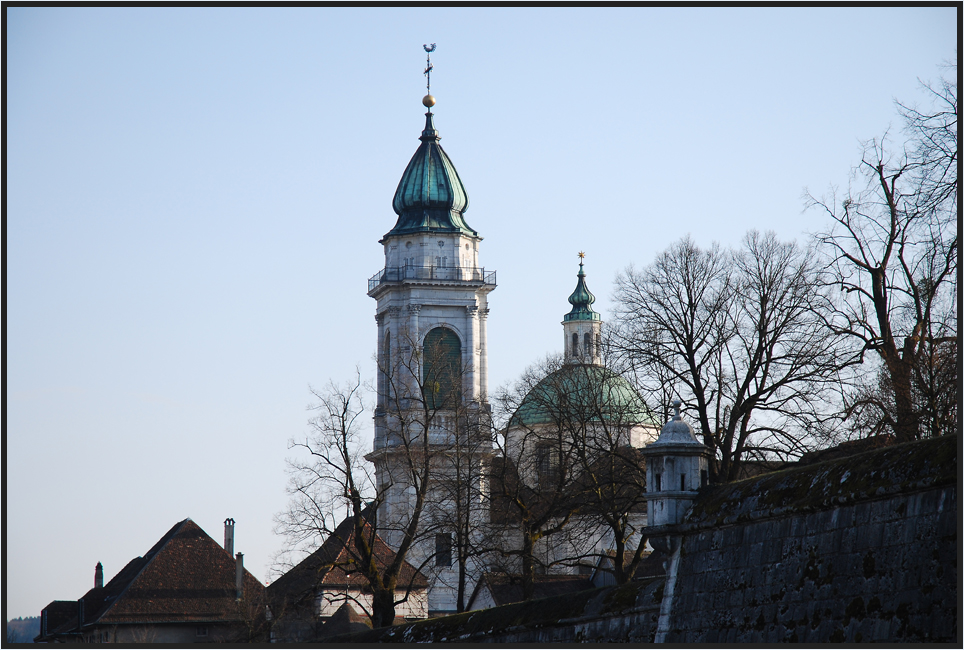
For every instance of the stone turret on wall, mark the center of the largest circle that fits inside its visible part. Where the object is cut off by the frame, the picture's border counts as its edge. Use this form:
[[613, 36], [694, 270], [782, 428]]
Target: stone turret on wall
[[676, 467]]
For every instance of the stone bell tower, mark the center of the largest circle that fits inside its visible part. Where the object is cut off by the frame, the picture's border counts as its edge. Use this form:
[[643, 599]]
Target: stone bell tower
[[432, 290], [431, 309]]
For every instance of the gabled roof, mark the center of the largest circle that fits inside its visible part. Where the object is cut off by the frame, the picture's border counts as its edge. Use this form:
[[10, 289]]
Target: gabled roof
[[506, 589], [185, 576], [331, 567]]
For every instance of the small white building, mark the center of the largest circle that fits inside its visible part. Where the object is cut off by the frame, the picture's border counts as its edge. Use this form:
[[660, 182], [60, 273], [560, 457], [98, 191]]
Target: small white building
[[307, 596]]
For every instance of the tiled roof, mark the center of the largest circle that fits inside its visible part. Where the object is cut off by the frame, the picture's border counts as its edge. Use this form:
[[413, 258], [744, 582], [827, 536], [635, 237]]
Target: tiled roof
[[507, 589], [61, 617], [186, 576], [331, 567]]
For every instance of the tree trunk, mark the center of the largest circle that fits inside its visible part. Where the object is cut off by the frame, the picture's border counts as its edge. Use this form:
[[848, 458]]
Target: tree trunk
[[383, 607], [528, 567], [906, 426], [460, 601], [619, 571]]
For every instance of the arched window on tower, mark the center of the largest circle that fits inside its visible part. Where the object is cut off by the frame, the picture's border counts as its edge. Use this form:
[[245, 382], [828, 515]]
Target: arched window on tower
[[575, 344], [587, 343], [441, 368]]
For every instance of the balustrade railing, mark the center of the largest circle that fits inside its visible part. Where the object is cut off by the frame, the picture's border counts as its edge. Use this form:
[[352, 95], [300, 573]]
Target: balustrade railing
[[445, 273]]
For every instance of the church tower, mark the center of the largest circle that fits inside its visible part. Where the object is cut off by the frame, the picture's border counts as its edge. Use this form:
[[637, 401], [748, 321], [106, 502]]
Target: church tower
[[582, 326], [432, 294], [432, 405]]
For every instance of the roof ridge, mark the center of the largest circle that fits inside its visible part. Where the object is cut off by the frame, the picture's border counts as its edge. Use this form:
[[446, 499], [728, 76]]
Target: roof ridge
[[148, 559]]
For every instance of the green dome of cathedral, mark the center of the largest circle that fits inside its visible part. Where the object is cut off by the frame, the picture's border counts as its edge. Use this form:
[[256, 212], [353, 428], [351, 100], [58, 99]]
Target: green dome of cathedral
[[430, 196], [578, 393]]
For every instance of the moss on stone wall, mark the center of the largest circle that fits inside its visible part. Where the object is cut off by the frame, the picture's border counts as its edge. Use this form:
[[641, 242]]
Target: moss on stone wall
[[878, 473]]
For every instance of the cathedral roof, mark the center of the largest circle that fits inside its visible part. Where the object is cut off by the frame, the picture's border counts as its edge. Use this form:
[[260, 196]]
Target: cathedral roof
[[430, 196], [585, 392], [581, 300]]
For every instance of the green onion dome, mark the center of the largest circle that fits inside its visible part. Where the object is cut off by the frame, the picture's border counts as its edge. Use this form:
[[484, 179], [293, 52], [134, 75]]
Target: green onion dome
[[430, 196], [578, 394], [581, 300]]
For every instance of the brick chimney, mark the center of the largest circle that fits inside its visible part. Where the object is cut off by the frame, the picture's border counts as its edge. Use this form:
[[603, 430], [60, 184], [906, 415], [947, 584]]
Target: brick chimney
[[239, 576], [98, 576], [229, 535]]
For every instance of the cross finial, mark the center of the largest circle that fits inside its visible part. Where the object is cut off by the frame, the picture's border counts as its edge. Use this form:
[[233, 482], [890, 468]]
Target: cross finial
[[428, 67]]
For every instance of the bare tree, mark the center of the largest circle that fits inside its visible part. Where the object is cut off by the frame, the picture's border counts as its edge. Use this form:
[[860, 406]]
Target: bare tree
[[892, 253], [741, 336], [332, 482], [414, 487], [569, 484], [426, 395], [458, 502], [532, 496], [608, 422]]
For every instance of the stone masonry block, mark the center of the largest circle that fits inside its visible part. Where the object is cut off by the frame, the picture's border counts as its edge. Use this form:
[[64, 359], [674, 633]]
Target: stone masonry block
[[869, 536], [843, 541]]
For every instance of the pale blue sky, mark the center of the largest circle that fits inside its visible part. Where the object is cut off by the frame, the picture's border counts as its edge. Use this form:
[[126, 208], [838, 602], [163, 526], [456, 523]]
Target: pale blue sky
[[195, 198]]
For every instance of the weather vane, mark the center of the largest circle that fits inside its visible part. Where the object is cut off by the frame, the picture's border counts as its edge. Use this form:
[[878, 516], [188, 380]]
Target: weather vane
[[428, 67]]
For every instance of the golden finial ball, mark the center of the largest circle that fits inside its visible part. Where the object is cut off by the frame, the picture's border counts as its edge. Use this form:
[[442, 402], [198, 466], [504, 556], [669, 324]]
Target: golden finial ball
[[428, 101]]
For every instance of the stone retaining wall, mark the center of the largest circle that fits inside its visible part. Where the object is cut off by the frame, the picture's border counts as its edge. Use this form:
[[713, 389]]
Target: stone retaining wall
[[860, 549], [884, 570]]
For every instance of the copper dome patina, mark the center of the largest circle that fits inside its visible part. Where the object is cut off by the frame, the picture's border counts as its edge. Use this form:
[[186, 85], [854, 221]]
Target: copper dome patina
[[430, 196], [582, 392], [581, 300]]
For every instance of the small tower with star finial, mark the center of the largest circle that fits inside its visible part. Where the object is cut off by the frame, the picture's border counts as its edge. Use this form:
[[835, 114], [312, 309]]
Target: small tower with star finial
[[582, 326]]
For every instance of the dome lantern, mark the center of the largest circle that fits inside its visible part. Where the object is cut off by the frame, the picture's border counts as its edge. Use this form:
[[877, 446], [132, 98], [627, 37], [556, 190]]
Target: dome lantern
[[582, 327]]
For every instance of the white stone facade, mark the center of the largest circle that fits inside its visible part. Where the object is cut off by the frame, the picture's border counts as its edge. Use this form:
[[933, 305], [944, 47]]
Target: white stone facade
[[676, 468], [328, 601], [430, 280]]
